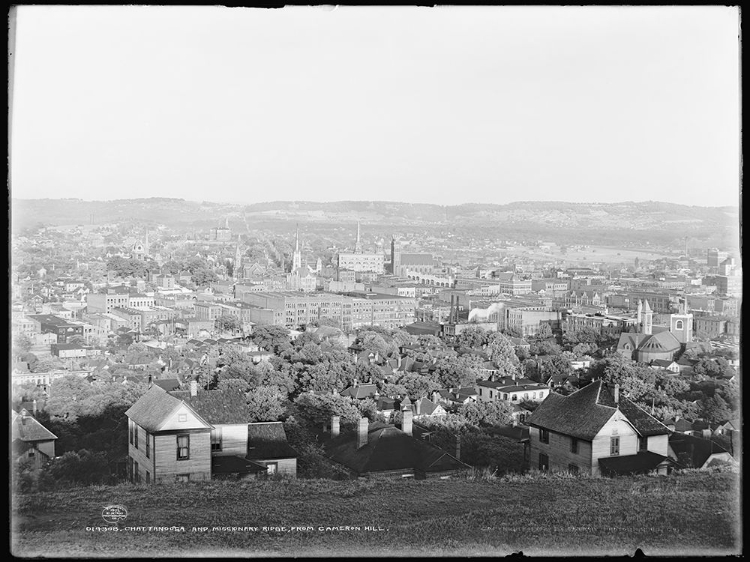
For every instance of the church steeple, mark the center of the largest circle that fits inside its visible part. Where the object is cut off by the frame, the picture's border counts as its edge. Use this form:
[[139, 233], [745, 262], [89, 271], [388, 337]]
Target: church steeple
[[237, 259], [297, 256], [648, 316], [358, 243]]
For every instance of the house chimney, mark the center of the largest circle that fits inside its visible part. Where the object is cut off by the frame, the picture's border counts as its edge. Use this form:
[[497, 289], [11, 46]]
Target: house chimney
[[356, 382], [193, 387], [458, 447], [617, 394], [362, 433], [406, 416], [33, 403], [335, 426]]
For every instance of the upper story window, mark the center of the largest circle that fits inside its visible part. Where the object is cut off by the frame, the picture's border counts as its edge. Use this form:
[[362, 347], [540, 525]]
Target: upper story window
[[544, 436], [183, 447], [614, 446], [574, 445]]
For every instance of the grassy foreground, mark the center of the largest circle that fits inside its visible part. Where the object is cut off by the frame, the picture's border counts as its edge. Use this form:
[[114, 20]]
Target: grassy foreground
[[692, 513]]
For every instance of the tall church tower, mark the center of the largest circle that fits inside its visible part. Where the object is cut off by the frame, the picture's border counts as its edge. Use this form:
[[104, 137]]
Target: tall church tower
[[681, 325], [297, 256], [145, 245], [648, 319], [237, 260], [395, 256], [358, 243]]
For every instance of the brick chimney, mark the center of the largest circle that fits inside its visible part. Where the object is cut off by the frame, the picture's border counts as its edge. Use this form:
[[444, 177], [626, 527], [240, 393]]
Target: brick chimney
[[406, 416], [617, 394], [33, 403], [458, 447], [335, 426], [362, 433], [193, 387]]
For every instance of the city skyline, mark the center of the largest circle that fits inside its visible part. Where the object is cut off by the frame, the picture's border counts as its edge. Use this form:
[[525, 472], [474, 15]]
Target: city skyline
[[478, 105]]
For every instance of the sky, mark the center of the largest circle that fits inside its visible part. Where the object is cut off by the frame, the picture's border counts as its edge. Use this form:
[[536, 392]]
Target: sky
[[444, 105]]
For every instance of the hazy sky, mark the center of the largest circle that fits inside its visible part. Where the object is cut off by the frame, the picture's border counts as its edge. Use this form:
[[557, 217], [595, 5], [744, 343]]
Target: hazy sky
[[438, 105]]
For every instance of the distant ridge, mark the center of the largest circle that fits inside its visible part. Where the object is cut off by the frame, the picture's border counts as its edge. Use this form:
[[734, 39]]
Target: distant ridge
[[527, 218]]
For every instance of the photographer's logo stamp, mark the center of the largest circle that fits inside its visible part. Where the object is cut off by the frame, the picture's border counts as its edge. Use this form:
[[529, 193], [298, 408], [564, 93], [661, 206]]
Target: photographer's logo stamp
[[114, 513]]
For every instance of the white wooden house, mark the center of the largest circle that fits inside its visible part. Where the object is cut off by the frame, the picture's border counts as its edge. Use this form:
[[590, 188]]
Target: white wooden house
[[598, 431], [200, 435]]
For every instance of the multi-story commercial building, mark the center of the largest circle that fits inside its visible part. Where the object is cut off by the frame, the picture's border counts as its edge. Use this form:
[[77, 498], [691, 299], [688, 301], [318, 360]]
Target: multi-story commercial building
[[715, 257], [729, 285], [512, 284], [710, 326], [207, 311], [362, 262], [552, 286], [105, 302], [388, 311], [606, 325], [63, 329], [526, 321], [351, 311], [659, 302]]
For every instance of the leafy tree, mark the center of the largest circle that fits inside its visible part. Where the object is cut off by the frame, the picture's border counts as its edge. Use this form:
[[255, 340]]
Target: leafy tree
[[428, 341], [473, 336], [368, 409], [265, 403], [713, 368], [317, 409], [545, 347], [585, 334], [83, 467], [417, 386], [715, 409], [204, 277], [271, 338], [22, 344], [494, 413], [227, 323], [456, 372], [46, 365], [544, 332], [376, 343]]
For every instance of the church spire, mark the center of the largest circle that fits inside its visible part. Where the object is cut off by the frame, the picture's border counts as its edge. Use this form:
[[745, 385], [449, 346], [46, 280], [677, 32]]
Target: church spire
[[237, 259], [297, 256], [358, 243]]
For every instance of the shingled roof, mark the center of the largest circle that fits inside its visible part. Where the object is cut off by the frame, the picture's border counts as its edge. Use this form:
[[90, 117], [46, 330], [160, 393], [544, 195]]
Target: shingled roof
[[25, 428], [360, 391], [583, 413], [267, 440], [217, 406], [389, 448], [151, 409]]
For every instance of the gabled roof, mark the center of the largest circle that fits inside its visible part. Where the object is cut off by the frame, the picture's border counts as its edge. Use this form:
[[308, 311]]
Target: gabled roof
[[583, 413], [663, 341], [217, 406], [27, 429], [389, 448], [153, 409], [267, 440], [168, 384], [424, 407], [360, 391]]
